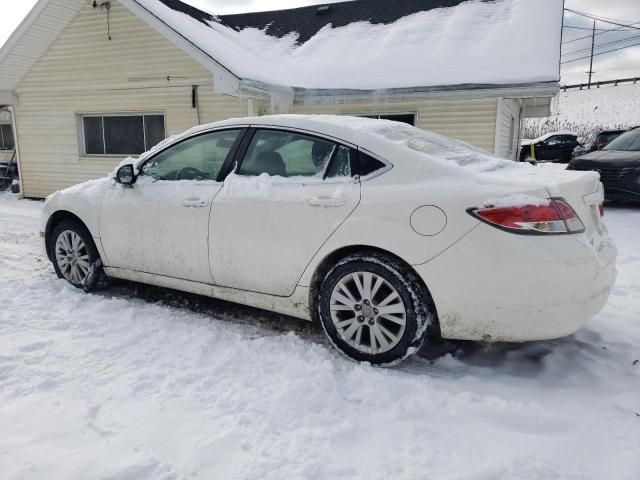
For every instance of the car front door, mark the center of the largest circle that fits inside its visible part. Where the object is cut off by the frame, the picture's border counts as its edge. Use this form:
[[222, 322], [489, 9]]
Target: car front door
[[550, 149], [289, 193], [160, 225]]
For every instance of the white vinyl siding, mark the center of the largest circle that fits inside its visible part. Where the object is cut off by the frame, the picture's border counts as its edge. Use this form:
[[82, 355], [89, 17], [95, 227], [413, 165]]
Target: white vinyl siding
[[467, 119], [507, 129], [84, 72]]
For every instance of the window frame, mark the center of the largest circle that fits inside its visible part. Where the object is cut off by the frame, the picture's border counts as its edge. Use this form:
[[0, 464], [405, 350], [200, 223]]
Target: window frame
[[82, 145], [3, 146], [391, 113], [228, 162], [243, 150]]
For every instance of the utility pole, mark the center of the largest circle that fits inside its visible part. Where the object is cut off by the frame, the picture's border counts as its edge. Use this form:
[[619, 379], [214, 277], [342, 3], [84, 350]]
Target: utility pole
[[593, 43]]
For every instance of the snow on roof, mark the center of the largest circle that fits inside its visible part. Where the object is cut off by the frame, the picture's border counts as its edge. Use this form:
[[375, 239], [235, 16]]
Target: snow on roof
[[444, 43]]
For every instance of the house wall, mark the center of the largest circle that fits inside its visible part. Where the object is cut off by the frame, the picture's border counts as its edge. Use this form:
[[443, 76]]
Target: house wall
[[508, 124], [467, 119], [84, 72]]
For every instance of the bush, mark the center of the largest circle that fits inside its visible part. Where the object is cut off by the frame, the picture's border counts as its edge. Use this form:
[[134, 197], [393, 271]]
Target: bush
[[537, 127]]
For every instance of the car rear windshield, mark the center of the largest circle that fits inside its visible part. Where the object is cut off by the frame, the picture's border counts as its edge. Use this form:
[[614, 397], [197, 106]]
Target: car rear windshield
[[628, 141], [434, 146]]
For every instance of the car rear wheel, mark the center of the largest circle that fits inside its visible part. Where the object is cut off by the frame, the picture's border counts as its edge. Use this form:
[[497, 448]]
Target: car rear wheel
[[374, 309], [75, 256]]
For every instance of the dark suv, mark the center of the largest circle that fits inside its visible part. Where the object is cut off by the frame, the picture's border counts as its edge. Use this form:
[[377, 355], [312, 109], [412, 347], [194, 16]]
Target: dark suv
[[553, 147], [618, 164]]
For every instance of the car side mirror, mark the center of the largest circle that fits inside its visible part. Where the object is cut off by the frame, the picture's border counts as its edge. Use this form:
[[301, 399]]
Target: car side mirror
[[126, 175]]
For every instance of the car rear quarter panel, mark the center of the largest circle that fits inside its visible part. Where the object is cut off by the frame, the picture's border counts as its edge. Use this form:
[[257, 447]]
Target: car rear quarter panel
[[383, 220]]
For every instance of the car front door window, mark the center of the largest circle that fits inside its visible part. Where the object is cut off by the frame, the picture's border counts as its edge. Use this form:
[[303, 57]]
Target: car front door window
[[197, 158]]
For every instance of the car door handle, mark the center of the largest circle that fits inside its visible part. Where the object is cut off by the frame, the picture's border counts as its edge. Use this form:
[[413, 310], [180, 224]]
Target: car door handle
[[326, 201], [195, 203]]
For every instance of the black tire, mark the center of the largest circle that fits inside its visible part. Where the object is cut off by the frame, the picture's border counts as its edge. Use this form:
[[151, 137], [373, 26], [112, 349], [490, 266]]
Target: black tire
[[96, 279], [420, 312]]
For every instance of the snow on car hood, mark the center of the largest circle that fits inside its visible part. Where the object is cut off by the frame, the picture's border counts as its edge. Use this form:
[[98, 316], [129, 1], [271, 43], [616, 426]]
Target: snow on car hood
[[89, 192]]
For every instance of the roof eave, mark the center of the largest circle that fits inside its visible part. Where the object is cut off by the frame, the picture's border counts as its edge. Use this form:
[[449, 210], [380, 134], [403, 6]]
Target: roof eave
[[519, 90]]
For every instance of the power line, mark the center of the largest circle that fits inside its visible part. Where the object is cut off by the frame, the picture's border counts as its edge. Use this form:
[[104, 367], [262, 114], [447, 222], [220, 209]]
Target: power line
[[602, 45], [600, 53], [619, 29], [593, 17], [580, 12], [584, 28]]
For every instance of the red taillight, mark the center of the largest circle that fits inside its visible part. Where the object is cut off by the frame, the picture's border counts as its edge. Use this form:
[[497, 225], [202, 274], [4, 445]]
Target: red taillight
[[556, 217]]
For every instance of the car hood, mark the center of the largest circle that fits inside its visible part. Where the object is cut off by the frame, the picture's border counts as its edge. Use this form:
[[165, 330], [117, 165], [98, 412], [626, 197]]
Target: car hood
[[613, 158]]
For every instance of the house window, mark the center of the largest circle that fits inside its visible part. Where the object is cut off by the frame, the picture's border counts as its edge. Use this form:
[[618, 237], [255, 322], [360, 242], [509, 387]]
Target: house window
[[6, 137], [408, 118], [121, 134]]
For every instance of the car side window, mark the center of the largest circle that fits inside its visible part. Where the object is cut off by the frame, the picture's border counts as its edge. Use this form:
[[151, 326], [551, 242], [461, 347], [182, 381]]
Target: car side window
[[369, 165], [289, 154], [343, 163], [555, 140], [197, 158]]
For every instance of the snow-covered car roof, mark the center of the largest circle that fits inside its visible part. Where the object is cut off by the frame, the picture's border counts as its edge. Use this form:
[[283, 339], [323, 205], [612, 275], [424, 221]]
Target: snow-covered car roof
[[388, 139], [474, 42]]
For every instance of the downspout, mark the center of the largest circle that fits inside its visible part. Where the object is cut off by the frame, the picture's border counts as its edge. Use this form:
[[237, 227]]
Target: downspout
[[17, 147], [195, 103]]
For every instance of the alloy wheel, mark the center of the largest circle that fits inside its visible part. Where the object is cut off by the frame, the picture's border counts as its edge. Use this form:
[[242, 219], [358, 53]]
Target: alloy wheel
[[72, 257], [368, 312]]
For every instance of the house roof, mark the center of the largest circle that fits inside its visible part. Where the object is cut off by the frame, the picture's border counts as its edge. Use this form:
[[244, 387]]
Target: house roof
[[371, 45], [308, 21], [352, 45]]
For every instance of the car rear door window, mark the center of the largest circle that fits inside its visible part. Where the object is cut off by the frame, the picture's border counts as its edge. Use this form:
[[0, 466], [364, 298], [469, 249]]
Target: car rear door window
[[290, 154]]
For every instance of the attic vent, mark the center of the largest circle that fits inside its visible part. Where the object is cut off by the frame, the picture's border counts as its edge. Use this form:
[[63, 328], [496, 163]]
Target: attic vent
[[324, 10]]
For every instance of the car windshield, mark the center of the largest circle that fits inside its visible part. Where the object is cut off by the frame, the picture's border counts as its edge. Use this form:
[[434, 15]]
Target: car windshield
[[629, 141], [608, 137]]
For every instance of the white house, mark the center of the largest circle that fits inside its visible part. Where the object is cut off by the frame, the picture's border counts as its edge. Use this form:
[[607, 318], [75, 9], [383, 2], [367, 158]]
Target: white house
[[92, 81]]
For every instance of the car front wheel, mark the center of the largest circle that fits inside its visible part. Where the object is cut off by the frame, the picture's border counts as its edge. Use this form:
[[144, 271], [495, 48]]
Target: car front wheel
[[374, 309], [75, 256]]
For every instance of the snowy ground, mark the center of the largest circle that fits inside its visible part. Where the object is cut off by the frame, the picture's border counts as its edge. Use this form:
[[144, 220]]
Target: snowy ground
[[141, 383]]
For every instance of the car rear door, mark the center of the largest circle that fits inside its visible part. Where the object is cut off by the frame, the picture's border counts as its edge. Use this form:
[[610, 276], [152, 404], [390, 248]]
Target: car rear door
[[288, 194]]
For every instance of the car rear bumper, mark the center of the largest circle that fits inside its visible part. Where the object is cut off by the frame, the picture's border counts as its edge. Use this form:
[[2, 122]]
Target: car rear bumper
[[495, 286]]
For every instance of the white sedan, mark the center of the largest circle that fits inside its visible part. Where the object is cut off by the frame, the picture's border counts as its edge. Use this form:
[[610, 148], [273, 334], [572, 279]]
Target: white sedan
[[384, 233]]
